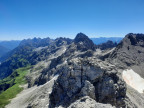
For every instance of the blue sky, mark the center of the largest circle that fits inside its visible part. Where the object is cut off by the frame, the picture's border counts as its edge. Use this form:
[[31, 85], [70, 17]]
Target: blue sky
[[21, 19]]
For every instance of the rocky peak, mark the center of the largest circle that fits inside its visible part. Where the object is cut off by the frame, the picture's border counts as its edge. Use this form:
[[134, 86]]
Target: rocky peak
[[83, 42], [36, 42], [108, 44], [91, 77], [129, 52], [80, 37], [60, 41], [135, 39]]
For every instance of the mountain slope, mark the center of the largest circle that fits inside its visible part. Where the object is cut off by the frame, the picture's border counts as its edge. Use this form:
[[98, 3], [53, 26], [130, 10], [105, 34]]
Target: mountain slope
[[12, 85], [32, 52], [56, 48], [7, 46], [10, 44], [128, 58], [72, 73], [22, 55], [109, 44], [81, 74], [130, 53], [3, 50]]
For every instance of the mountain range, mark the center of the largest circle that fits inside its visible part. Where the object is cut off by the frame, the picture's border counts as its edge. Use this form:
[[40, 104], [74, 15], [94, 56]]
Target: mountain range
[[6, 46], [74, 73]]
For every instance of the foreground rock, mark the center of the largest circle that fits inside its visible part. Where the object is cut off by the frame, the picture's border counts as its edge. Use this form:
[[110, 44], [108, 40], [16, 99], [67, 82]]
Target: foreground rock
[[88, 77], [87, 102]]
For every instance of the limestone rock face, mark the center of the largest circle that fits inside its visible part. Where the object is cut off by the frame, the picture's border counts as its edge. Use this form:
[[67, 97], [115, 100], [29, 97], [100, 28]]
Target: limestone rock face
[[129, 52], [85, 77], [86, 102], [88, 90]]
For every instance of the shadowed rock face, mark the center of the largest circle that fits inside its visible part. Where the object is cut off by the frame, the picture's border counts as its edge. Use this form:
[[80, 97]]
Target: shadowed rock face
[[83, 42], [107, 45], [136, 39]]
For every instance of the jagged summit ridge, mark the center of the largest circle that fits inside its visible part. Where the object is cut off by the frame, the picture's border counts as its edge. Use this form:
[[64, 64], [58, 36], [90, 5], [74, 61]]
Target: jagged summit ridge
[[81, 37], [135, 39], [83, 41], [129, 52]]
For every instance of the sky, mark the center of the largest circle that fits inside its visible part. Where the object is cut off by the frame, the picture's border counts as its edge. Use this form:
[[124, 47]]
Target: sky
[[22, 19]]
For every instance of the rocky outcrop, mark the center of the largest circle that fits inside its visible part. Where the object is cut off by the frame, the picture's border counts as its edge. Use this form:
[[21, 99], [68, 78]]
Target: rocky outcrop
[[88, 90], [61, 41], [52, 55], [129, 53], [85, 77], [87, 102]]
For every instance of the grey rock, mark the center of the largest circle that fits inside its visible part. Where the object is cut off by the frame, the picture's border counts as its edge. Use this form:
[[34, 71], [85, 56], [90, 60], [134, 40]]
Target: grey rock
[[109, 44], [85, 77], [83, 42], [86, 102], [88, 90]]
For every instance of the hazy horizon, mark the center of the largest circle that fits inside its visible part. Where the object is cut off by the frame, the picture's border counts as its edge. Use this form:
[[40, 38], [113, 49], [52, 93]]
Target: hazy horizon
[[60, 36]]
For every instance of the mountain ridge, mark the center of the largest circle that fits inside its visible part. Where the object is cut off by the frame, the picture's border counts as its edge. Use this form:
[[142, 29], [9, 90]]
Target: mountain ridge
[[65, 72]]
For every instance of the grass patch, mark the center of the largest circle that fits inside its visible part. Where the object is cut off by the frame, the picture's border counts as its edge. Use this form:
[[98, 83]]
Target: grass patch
[[16, 79]]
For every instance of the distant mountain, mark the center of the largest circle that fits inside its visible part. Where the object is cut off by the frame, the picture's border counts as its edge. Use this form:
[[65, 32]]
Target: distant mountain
[[101, 40], [83, 42], [3, 50], [21, 56], [107, 45], [10, 44], [7, 46]]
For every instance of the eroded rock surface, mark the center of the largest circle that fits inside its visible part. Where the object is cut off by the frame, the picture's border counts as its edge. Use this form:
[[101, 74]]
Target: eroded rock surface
[[86, 102], [85, 77]]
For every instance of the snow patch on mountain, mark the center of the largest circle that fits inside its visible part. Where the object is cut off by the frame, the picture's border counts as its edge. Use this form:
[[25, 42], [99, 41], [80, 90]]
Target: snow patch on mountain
[[134, 80]]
